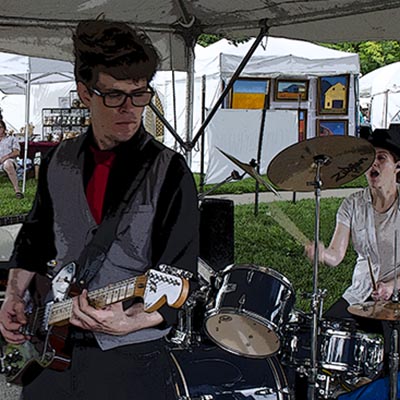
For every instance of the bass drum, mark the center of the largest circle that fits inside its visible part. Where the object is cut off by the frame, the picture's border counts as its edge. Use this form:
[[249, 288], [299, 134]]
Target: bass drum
[[207, 372]]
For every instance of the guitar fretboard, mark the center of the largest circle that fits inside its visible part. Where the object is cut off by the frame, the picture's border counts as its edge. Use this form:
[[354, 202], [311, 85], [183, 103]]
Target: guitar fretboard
[[99, 298]]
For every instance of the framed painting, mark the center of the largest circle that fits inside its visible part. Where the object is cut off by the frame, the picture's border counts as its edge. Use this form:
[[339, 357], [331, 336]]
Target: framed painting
[[291, 90], [331, 127], [333, 94], [302, 124], [250, 94]]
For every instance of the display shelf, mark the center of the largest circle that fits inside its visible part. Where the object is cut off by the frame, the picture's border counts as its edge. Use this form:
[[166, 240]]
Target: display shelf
[[62, 123]]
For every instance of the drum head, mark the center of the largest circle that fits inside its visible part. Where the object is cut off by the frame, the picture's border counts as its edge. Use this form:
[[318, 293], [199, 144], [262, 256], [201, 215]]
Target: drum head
[[242, 335], [208, 372]]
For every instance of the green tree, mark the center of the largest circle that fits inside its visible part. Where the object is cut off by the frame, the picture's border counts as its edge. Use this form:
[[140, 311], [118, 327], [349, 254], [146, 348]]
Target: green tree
[[372, 55]]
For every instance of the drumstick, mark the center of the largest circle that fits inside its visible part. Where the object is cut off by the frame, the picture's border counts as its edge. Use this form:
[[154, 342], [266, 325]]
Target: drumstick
[[287, 224], [371, 273]]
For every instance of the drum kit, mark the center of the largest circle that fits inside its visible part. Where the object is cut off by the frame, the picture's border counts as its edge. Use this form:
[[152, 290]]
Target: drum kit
[[239, 335]]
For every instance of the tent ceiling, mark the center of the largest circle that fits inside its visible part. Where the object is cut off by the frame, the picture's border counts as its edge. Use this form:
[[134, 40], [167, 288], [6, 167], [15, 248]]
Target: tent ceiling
[[43, 27]]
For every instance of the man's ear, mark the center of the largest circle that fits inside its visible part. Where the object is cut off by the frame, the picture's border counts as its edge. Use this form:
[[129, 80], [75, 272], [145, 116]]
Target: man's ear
[[84, 94]]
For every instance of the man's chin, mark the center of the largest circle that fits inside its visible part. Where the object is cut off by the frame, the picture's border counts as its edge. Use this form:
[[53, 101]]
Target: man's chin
[[124, 132]]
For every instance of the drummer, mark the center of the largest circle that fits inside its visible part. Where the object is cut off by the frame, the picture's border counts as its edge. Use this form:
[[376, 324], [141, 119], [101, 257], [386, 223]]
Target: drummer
[[371, 217]]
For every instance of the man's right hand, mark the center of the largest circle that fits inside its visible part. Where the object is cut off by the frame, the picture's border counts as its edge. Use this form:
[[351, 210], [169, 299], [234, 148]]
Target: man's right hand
[[12, 319]]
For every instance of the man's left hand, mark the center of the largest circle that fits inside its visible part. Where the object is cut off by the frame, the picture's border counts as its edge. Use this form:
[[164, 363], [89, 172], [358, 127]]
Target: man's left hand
[[113, 319]]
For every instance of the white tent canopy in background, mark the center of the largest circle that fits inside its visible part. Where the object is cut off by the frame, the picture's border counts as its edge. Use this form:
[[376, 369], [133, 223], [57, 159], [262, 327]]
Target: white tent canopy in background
[[14, 68], [18, 74], [273, 58], [380, 90], [49, 80]]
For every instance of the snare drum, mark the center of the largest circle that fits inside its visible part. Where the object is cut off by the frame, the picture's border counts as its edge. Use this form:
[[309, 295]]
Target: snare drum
[[251, 305], [340, 348], [208, 372]]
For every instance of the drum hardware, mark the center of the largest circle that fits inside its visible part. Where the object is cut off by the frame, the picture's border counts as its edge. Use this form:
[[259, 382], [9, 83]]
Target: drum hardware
[[205, 272], [250, 169], [320, 161], [185, 336], [234, 176]]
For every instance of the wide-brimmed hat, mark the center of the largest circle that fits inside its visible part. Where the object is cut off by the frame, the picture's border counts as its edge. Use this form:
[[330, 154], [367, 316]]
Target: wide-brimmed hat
[[388, 139]]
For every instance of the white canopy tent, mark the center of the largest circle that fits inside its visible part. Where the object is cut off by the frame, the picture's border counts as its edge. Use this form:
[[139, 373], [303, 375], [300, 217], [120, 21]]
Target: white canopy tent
[[43, 28], [20, 74], [273, 58], [380, 92]]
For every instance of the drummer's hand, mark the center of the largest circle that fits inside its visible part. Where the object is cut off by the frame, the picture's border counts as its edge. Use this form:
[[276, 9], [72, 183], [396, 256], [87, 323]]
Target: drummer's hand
[[309, 251], [383, 291]]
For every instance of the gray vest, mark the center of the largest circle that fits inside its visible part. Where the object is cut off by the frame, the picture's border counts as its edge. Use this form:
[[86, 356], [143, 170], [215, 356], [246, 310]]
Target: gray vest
[[130, 252]]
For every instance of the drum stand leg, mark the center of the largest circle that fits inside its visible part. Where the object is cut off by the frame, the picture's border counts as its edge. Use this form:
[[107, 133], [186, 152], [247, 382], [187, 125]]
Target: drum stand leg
[[394, 361], [316, 304]]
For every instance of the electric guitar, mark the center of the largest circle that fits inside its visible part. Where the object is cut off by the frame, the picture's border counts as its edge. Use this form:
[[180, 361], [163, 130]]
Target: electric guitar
[[47, 325]]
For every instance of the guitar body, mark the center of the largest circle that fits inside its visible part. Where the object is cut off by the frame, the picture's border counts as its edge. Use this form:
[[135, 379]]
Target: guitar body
[[48, 347], [25, 362]]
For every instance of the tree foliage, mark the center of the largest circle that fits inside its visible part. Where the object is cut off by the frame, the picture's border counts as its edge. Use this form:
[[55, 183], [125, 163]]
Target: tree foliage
[[372, 55]]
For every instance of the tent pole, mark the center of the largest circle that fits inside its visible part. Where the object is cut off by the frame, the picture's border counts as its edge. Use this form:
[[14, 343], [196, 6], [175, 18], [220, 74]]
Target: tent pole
[[203, 114], [386, 108], [189, 101], [228, 87], [27, 108], [259, 150]]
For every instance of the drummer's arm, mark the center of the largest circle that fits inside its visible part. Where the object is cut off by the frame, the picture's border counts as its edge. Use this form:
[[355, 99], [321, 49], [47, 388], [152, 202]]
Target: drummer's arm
[[334, 254]]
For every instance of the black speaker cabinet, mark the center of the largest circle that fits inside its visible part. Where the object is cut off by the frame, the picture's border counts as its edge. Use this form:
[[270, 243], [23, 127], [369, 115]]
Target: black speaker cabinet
[[217, 232]]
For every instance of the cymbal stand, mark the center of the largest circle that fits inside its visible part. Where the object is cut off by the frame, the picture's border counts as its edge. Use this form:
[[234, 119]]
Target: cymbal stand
[[234, 176], [393, 361], [319, 161], [394, 338]]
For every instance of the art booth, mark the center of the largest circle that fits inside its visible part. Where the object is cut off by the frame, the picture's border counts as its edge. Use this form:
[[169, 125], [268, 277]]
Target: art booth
[[289, 91]]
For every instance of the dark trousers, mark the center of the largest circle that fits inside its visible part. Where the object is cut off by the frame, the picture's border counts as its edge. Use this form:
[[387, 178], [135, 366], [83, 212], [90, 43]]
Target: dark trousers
[[133, 372]]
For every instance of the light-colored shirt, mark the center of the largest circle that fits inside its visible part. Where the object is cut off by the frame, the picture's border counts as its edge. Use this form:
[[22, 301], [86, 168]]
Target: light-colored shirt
[[8, 144], [357, 213]]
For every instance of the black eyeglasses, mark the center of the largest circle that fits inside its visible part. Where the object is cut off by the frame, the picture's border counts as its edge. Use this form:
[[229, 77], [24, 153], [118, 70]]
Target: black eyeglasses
[[117, 98]]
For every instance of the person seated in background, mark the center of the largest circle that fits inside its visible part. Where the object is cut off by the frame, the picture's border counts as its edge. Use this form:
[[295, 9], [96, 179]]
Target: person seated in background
[[371, 218], [9, 151]]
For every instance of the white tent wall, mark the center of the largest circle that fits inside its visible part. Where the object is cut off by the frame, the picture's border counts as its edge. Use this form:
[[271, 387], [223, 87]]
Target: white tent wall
[[280, 58], [380, 91], [235, 132], [45, 95]]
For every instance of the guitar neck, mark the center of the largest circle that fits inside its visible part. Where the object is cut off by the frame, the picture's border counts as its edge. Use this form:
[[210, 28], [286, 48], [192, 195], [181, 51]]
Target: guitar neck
[[114, 293]]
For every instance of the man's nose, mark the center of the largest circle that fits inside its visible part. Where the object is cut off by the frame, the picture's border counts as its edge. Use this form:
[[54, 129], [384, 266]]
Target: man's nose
[[127, 104]]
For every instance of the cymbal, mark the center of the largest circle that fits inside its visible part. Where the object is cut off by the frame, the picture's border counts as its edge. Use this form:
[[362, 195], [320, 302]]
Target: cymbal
[[382, 310], [249, 169], [342, 159]]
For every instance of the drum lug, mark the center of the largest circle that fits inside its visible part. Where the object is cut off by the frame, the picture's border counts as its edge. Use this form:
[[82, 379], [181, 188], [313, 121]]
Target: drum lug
[[230, 287], [242, 302]]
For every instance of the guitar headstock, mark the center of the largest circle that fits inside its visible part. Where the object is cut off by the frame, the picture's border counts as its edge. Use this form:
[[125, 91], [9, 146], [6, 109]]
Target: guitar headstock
[[164, 288]]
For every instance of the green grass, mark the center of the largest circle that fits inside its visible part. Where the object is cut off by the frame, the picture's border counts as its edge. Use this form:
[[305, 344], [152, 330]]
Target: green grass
[[261, 241], [248, 185], [258, 240], [9, 204]]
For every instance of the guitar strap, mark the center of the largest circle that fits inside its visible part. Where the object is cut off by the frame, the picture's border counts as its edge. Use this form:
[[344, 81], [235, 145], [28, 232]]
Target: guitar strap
[[94, 254]]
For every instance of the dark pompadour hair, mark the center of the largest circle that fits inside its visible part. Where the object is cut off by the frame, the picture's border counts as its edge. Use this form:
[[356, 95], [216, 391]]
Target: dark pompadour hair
[[113, 48]]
